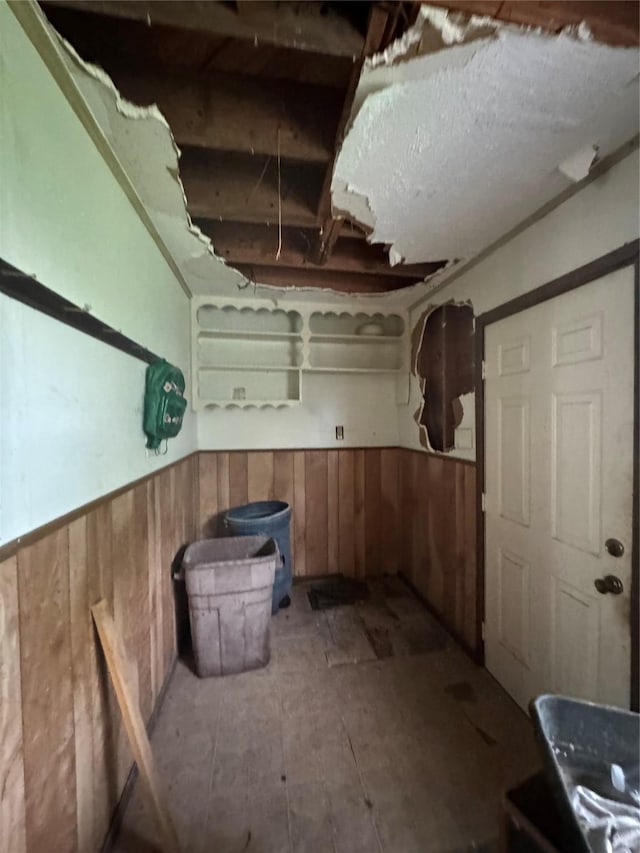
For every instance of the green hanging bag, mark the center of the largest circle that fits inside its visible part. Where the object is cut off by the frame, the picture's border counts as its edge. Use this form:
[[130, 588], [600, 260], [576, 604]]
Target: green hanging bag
[[164, 402]]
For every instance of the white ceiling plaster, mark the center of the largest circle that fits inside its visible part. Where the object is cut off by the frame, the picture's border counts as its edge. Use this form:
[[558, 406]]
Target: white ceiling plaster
[[459, 130], [142, 140]]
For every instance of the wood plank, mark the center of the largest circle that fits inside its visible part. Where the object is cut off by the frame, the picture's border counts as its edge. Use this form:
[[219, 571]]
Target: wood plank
[[141, 610], [239, 112], [420, 528], [284, 490], [207, 494], [244, 243], [100, 584], [333, 556], [301, 26], [373, 513], [224, 481], [346, 515], [614, 23], [243, 188], [344, 282], [47, 698], [238, 478], [460, 545], [299, 511], [120, 668], [469, 630], [359, 517], [330, 225], [260, 475], [316, 511], [390, 509], [81, 631], [12, 793], [153, 578], [170, 545], [124, 613]]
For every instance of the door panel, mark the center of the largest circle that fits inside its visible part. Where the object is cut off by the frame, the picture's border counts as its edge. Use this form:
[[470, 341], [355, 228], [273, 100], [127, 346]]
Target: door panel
[[576, 476], [513, 474], [558, 480]]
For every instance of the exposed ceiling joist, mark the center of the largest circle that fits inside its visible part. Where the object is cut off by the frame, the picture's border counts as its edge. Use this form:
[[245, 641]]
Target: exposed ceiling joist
[[304, 26], [345, 282], [244, 188], [231, 112], [615, 22], [329, 225], [241, 243]]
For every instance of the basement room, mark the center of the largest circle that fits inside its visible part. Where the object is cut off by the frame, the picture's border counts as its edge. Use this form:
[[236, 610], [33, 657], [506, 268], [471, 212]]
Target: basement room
[[319, 434]]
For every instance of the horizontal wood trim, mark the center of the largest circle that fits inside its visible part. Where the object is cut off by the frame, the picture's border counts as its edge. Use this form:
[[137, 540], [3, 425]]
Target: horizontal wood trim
[[619, 258], [446, 457], [10, 548], [26, 289]]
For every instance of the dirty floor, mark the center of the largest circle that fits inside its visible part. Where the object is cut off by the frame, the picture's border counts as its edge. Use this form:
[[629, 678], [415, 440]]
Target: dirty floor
[[369, 732]]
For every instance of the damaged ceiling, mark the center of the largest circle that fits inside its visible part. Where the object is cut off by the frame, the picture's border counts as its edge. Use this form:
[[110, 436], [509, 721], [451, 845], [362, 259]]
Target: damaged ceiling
[[351, 146]]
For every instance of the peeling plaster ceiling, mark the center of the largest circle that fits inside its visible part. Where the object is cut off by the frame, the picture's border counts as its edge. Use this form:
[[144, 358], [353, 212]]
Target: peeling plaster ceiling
[[459, 130], [142, 140]]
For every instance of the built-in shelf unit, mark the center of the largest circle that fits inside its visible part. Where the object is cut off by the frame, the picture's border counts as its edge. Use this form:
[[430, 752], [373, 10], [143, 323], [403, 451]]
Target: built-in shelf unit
[[255, 354]]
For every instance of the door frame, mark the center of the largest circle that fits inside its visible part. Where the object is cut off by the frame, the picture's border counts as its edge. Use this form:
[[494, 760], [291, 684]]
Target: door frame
[[625, 256]]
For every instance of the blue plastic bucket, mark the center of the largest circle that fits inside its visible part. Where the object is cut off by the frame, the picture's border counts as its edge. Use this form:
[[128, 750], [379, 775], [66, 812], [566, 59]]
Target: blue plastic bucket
[[267, 518]]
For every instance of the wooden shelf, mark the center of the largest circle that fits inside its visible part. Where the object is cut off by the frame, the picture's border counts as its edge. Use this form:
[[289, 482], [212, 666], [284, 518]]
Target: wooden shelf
[[233, 335], [249, 404], [360, 339], [248, 368], [390, 370]]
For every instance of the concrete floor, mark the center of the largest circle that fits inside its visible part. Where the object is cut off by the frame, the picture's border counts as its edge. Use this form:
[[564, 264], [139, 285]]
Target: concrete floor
[[369, 732]]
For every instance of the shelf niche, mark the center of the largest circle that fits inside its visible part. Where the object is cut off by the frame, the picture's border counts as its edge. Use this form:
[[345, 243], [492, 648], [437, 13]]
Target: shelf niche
[[354, 343]]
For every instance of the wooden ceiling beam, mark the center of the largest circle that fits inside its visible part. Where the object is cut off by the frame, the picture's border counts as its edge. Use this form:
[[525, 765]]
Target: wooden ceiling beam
[[245, 189], [344, 282], [229, 112], [329, 225], [242, 243], [612, 22], [307, 26]]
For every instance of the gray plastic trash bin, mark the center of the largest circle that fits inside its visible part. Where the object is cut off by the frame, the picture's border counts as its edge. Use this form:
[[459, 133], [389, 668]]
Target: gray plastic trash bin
[[229, 585]]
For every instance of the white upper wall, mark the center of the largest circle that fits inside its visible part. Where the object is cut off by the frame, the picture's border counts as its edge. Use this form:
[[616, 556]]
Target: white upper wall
[[365, 405], [71, 411], [593, 222]]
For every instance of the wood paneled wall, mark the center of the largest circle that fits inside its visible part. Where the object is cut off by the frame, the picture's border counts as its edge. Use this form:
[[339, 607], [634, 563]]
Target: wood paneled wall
[[64, 757], [364, 513], [438, 554], [345, 503]]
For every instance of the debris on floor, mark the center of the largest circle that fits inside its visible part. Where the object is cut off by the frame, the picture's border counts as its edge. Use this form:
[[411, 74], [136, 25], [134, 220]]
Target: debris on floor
[[337, 591], [360, 736]]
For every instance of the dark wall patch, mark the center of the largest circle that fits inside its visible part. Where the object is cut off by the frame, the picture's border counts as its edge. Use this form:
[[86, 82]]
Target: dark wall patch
[[443, 347]]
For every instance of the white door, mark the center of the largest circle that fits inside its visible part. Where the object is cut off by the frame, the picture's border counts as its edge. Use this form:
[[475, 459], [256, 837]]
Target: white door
[[558, 482]]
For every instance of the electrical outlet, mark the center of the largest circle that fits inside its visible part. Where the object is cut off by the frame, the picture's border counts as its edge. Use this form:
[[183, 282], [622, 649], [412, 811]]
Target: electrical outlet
[[339, 433]]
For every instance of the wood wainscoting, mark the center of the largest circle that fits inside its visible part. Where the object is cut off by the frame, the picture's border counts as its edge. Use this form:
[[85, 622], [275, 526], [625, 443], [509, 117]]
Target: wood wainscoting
[[438, 553], [363, 513], [64, 757], [345, 503]]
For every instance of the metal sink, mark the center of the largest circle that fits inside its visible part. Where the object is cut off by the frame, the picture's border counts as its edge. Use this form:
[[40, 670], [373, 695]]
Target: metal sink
[[580, 742]]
